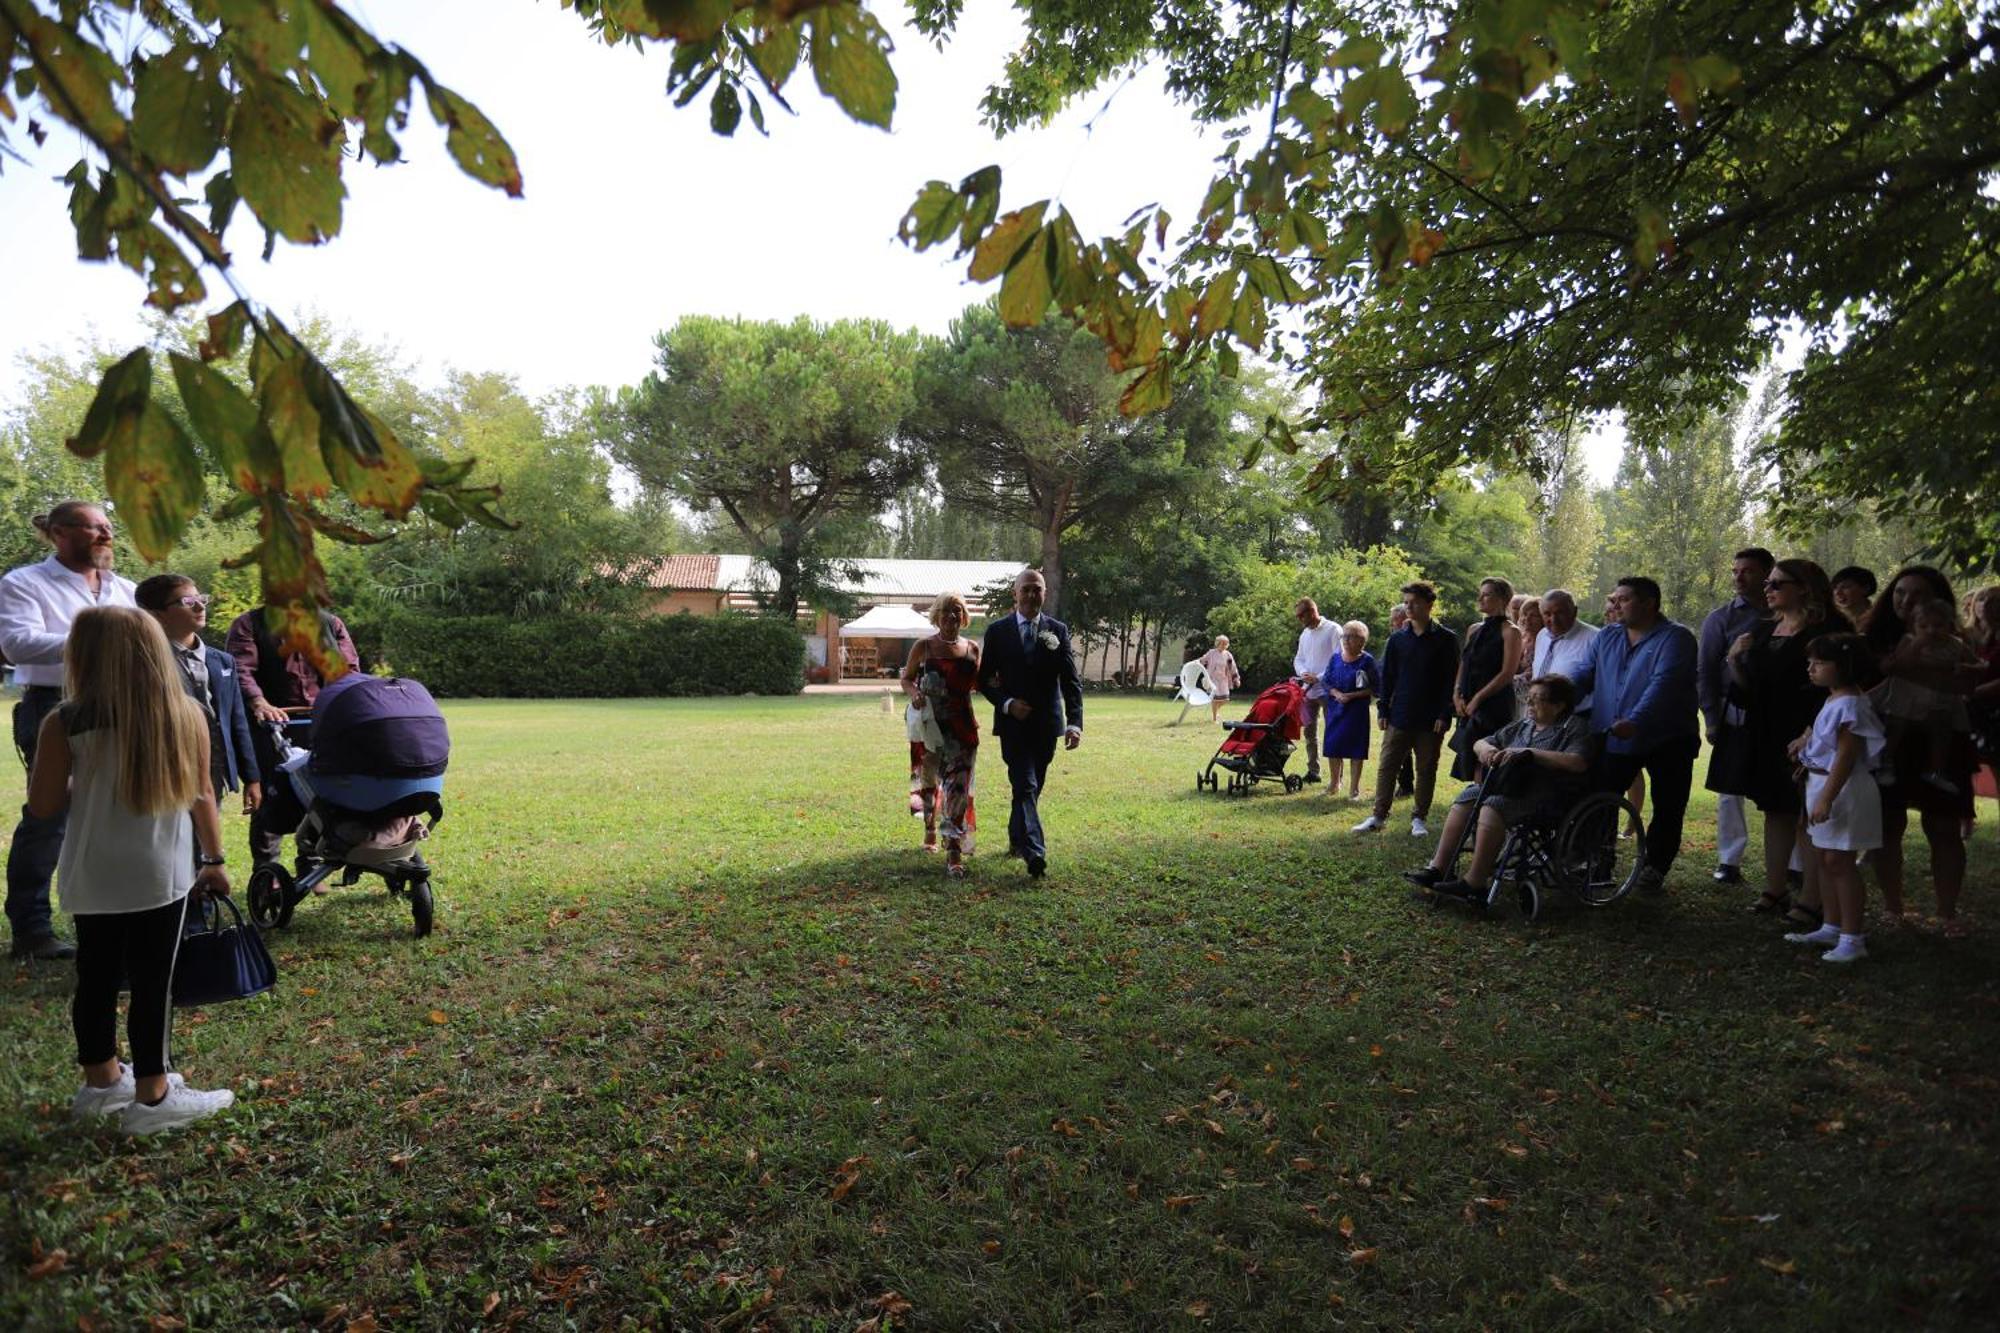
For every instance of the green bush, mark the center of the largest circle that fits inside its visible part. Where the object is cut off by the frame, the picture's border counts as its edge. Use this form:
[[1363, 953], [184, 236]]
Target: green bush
[[1348, 585], [588, 657]]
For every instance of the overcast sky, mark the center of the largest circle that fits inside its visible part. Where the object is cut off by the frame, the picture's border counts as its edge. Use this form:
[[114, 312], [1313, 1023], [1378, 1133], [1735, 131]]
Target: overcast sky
[[635, 214]]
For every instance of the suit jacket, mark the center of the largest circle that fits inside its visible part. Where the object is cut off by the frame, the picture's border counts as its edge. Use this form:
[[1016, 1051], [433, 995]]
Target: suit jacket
[[1043, 677], [232, 718]]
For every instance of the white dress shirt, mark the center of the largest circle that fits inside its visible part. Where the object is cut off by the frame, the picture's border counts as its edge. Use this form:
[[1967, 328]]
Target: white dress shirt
[[38, 603], [1316, 645], [1565, 655]]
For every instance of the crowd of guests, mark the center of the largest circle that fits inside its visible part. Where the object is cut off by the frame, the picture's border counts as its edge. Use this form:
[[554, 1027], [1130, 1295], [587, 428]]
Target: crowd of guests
[[131, 728], [1835, 705]]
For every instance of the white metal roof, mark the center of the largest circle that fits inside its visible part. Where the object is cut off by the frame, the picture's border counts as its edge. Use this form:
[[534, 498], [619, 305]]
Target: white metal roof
[[885, 580]]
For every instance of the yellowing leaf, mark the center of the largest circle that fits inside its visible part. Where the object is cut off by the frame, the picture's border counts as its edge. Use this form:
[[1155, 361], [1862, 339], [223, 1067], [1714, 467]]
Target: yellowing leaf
[[439, 1016], [850, 59], [1362, 1258], [178, 111], [1346, 1227], [285, 165], [1005, 242], [1025, 291]]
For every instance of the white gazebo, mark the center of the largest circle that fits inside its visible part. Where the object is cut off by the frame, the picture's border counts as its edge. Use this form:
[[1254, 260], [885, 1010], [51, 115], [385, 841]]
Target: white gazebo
[[889, 621]]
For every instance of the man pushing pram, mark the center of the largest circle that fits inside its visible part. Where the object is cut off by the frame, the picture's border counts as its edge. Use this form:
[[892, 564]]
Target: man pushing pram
[[362, 799]]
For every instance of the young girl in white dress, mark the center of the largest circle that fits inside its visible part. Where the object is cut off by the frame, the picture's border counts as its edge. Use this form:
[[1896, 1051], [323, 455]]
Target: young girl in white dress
[[1843, 804], [127, 756]]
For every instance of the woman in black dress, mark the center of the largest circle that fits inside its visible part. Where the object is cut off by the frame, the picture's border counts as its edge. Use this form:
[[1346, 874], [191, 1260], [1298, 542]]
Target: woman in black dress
[[1768, 681], [1484, 697]]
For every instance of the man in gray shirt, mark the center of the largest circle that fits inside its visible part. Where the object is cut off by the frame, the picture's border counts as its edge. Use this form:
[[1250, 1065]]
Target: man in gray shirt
[[1734, 617]]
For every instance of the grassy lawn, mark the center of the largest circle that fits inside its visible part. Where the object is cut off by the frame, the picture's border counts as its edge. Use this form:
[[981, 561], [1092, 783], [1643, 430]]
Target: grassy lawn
[[702, 1040]]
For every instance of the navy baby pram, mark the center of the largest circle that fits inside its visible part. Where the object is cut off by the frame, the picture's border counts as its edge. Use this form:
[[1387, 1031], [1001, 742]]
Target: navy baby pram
[[362, 799]]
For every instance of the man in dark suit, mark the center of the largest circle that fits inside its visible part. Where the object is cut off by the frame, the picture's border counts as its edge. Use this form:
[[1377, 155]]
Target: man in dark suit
[[209, 676], [1027, 671]]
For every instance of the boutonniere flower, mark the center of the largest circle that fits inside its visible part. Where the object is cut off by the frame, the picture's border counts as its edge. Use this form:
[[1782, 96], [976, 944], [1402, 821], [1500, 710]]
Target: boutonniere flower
[[1047, 638]]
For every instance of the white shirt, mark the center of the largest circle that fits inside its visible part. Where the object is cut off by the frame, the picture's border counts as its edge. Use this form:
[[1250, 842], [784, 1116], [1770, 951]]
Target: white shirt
[[1565, 654], [38, 603], [115, 860], [1316, 644]]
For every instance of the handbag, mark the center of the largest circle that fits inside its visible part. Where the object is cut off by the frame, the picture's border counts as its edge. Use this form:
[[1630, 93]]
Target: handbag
[[222, 959]]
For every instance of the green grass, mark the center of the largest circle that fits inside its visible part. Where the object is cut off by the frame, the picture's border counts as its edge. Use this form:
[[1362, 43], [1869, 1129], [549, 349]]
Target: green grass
[[702, 1040]]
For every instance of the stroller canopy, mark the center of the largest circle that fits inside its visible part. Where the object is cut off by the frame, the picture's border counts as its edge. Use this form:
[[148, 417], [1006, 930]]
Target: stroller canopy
[[382, 727]]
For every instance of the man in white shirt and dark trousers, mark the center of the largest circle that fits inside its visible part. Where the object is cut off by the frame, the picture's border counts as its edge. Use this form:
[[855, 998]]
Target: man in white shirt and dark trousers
[[1563, 648], [1318, 637], [1721, 628], [37, 604]]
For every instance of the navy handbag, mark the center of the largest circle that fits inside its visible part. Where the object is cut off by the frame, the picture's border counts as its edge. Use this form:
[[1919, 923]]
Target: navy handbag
[[221, 959]]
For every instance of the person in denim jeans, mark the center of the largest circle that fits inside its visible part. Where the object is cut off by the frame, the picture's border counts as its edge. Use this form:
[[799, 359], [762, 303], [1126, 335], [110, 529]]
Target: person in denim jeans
[[37, 605]]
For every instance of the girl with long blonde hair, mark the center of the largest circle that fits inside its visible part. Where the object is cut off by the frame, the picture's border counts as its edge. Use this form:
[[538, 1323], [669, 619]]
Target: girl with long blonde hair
[[126, 755]]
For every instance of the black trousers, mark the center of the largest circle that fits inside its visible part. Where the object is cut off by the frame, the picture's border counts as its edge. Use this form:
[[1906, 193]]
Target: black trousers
[[1669, 771], [116, 947], [37, 842]]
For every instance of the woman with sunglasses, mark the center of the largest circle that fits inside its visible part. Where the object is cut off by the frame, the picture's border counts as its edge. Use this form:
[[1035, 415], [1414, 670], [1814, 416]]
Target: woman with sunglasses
[[209, 675], [1768, 679]]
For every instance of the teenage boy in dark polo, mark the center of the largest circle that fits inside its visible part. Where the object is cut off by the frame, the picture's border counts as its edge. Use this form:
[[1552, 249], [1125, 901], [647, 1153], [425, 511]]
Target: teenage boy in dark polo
[[1414, 705]]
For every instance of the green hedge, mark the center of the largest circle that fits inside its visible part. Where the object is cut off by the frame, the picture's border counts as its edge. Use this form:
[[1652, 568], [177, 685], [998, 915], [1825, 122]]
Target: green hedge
[[588, 657]]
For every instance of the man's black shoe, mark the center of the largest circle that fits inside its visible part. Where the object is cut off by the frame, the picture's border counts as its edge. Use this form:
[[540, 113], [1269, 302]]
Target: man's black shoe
[[1425, 877], [1037, 867], [1728, 875], [1312, 775], [44, 949]]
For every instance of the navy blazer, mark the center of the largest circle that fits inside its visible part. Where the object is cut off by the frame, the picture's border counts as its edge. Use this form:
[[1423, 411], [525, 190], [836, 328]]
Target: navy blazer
[[1044, 677], [239, 756]]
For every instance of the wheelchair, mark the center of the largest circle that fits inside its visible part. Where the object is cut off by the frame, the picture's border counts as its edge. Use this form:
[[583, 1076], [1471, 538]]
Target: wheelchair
[[1580, 857]]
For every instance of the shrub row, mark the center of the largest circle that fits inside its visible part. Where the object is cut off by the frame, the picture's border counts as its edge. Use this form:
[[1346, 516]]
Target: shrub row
[[584, 657]]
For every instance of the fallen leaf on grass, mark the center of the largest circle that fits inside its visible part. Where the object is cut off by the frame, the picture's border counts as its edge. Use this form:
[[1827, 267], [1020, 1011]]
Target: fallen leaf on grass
[[1199, 1309], [365, 1324], [1346, 1226], [492, 1304], [1304, 1164], [440, 1017], [166, 1323], [49, 1264], [1176, 1202], [1782, 1267], [847, 1177], [1513, 1150], [1214, 1128], [1065, 1128], [1362, 1258], [990, 1246]]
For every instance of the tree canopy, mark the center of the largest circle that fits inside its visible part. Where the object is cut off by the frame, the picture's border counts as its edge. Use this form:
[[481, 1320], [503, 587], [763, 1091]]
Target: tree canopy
[[785, 427]]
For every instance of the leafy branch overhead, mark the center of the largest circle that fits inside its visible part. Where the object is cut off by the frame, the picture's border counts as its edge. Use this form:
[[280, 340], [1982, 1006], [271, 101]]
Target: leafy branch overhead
[[1488, 214], [196, 114]]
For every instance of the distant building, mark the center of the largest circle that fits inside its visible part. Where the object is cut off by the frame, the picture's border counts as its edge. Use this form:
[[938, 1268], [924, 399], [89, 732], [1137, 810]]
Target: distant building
[[706, 585]]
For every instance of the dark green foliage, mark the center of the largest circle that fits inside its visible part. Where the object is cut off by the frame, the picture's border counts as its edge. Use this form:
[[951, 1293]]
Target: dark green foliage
[[590, 657]]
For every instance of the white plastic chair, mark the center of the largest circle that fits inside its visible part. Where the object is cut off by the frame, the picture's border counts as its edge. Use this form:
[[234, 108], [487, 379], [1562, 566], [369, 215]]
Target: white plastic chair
[[1194, 690]]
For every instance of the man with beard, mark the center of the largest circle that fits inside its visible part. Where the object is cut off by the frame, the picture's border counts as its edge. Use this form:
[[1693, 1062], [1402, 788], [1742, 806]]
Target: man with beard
[[37, 604]]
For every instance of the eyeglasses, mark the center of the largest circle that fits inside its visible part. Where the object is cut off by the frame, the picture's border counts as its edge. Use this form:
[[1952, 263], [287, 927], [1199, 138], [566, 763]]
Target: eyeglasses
[[195, 601]]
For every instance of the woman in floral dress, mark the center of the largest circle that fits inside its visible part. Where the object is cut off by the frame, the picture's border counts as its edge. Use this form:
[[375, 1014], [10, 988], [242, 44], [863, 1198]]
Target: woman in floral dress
[[940, 679]]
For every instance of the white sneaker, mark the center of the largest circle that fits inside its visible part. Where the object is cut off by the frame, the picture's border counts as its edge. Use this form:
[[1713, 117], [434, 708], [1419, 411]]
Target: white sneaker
[[1419, 829], [1847, 951], [181, 1106], [91, 1103], [1824, 935], [1370, 825]]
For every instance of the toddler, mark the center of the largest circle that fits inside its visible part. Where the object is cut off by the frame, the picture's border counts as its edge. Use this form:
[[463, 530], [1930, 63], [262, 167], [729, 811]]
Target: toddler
[[1843, 804]]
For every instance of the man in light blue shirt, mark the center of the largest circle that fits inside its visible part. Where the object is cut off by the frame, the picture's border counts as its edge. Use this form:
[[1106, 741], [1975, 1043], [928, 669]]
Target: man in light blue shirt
[[1641, 677]]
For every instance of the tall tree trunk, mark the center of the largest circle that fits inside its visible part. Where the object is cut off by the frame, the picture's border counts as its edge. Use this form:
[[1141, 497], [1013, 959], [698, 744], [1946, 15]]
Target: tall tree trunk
[[1051, 524], [1159, 646], [784, 603], [1125, 650]]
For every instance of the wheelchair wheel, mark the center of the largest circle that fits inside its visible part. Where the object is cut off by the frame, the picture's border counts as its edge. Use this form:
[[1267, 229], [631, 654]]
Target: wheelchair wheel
[[423, 908], [1594, 864], [270, 894]]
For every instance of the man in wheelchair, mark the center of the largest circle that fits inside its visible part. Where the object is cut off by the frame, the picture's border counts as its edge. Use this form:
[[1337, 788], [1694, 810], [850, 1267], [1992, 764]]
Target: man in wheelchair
[[1535, 769]]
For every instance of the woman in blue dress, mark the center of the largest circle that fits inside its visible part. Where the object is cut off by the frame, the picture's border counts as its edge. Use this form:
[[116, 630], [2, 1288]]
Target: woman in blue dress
[[1350, 679]]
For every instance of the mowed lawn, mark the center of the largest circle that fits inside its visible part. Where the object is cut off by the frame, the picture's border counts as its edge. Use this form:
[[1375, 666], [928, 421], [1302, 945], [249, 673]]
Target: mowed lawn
[[703, 1040]]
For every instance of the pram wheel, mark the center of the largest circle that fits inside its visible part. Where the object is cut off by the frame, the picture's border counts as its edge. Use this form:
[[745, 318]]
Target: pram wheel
[[270, 894], [1293, 782], [423, 909]]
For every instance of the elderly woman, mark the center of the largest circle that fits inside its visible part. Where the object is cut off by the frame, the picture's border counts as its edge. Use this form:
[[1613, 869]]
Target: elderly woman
[[1349, 678], [1223, 676], [940, 679], [1536, 767], [1527, 617]]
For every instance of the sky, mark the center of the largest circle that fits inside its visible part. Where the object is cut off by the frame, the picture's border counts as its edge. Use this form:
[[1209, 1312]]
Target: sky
[[634, 213]]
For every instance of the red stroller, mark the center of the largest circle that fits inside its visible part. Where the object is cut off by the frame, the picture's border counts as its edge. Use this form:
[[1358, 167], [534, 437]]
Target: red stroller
[[1258, 747]]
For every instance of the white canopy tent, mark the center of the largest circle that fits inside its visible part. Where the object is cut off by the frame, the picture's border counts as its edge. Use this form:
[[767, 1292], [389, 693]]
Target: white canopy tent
[[889, 621]]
